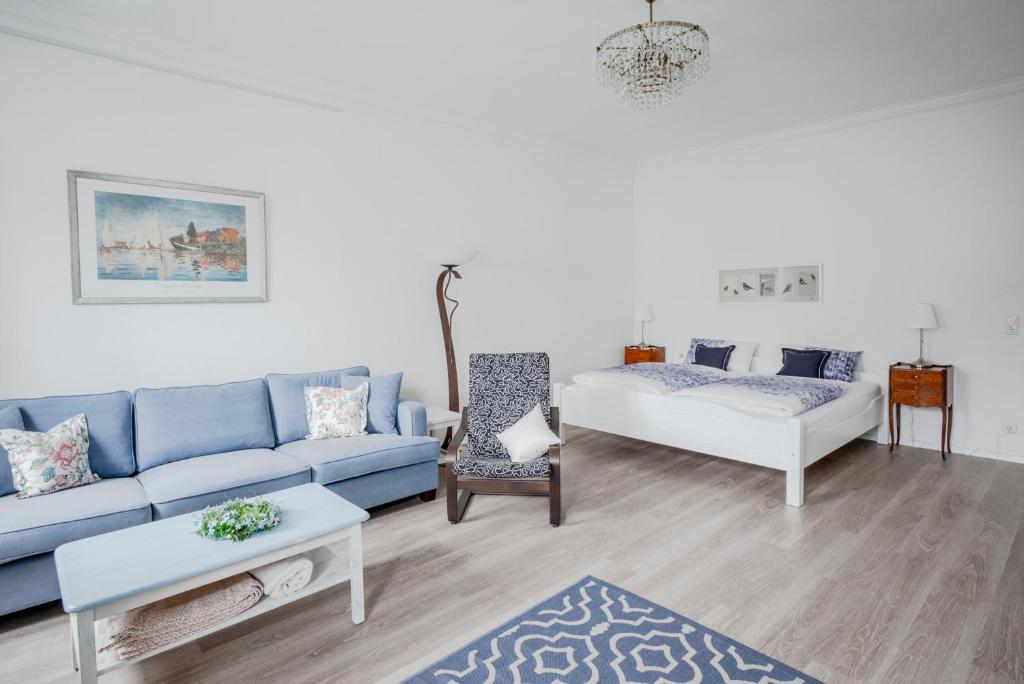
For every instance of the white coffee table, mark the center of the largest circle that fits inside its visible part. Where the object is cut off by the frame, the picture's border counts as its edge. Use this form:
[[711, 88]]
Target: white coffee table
[[115, 572], [438, 421]]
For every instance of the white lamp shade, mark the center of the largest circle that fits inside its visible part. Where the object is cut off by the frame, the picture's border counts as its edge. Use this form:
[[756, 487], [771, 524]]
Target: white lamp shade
[[643, 313], [450, 256], [922, 316]]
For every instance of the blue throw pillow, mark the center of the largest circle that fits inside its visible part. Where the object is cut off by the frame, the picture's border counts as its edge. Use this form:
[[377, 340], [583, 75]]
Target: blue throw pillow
[[715, 357], [840, 364], [804, 363], [691, 354], [382, 404], [10, 419]]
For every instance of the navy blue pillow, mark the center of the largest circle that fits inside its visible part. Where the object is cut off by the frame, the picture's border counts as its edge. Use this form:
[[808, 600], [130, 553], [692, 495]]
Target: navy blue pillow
[[804, 363], [716, 357]]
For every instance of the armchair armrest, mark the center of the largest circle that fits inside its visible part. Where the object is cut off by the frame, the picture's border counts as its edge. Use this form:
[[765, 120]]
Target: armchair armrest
[[452, 452], [412, 419]]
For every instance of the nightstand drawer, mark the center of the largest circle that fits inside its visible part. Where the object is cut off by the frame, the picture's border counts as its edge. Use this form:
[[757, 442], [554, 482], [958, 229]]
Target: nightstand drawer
[[920, 386], [916, 378], [921, 396]]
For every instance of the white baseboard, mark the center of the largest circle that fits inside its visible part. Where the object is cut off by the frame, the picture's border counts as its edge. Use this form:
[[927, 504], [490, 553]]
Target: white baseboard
[[959, 451]]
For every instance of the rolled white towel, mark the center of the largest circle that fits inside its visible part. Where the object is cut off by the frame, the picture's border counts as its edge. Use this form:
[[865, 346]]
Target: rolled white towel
[[285, 577]]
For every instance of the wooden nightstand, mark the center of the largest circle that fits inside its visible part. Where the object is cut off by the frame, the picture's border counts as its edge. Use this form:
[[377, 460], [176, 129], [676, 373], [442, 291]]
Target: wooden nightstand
[[922, 388], [645, 354]]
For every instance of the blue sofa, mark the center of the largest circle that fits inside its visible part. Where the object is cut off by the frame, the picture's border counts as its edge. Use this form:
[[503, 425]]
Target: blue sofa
[[165, 452]]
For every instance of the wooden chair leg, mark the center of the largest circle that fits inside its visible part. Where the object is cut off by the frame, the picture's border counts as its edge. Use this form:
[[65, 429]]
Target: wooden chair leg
[[555, 496], [457, 501], [452, 495]]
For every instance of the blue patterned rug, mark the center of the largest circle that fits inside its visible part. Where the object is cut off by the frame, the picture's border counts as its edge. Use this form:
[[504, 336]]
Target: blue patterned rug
[[596, 632]]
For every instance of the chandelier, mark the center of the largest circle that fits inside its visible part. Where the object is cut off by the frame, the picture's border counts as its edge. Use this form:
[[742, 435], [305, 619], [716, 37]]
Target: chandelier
[[648, 65]]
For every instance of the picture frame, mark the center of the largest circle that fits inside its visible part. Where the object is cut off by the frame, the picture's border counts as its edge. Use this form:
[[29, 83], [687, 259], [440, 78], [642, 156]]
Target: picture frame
[[776, 284], [146, 241]]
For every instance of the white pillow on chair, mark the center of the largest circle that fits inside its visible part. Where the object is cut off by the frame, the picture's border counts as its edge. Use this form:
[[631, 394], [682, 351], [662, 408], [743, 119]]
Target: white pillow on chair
[[529, 437]]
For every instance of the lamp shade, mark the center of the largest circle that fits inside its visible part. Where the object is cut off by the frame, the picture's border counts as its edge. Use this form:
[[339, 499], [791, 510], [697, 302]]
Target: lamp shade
[[450, 256], [922, 316], [643, 313]]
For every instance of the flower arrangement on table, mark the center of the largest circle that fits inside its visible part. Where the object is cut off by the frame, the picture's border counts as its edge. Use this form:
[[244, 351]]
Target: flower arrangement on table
[[238, 519]]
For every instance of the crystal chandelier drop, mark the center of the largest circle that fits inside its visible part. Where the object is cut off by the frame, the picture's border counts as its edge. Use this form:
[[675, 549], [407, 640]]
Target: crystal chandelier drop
[[648, 65]]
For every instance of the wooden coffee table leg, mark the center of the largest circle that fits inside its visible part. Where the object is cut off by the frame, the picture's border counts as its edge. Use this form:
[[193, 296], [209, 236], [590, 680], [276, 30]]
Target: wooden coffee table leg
[[355, 564], [84, 631]]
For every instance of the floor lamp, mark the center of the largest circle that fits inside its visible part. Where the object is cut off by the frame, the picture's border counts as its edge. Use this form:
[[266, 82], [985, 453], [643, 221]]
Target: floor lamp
[[450, 259]]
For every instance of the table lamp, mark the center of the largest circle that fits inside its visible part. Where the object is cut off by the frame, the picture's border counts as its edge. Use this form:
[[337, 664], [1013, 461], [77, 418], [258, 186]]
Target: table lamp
[[922, 317], [644, 315]]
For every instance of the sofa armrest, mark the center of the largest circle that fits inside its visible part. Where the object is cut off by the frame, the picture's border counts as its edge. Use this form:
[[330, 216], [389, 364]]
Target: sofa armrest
[[412, 419]]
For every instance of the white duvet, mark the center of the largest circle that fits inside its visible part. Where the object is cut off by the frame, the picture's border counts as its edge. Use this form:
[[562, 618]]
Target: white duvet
[[631, 382], [626, 381], [749, 400]]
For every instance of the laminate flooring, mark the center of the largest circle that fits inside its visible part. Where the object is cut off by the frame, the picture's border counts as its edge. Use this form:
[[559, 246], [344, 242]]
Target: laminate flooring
[[899, 568]]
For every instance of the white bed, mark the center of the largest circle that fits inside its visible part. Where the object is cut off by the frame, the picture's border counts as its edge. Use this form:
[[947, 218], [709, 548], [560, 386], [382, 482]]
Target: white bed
[[690, 422]]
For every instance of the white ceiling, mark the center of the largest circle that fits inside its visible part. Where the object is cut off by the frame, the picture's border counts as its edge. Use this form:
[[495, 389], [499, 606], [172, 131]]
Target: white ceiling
[[527, 66]]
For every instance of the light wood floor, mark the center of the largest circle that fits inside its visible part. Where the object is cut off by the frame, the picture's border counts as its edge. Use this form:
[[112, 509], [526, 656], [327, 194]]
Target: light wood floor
[[899, 568]]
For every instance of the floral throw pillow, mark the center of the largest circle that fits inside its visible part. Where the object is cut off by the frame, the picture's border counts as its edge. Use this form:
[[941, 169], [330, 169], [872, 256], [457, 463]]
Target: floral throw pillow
[[47, 462], [334, 412]]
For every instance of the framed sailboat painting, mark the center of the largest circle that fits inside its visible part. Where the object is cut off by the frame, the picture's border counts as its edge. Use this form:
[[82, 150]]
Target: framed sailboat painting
[[135, 240]]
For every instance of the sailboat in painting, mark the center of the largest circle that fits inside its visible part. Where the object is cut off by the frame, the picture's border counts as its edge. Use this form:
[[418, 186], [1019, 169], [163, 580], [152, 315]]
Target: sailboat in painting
[[106, 235]]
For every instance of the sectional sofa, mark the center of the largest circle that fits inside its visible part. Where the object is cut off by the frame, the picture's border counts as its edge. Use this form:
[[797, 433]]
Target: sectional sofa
[[164, 452]]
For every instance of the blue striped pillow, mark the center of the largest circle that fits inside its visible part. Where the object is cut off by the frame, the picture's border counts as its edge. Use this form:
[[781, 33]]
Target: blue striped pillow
[[840, 364]]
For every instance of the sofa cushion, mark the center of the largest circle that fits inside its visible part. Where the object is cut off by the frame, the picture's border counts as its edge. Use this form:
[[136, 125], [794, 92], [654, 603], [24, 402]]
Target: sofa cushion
[[176, 423], [10, 419], [382, 404], [215, 473], [109, 417], [342, 458], [289, 403], [42, 523]]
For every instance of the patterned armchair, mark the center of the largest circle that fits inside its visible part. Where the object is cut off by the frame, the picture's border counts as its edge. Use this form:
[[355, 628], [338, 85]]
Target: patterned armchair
[[502, 389]]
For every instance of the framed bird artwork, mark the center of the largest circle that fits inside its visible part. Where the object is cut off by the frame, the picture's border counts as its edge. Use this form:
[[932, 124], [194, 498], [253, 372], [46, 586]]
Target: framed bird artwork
[[776, 284]]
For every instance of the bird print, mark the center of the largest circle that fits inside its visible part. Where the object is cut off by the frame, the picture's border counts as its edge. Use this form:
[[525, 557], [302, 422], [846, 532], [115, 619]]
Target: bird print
[[813, 277], [735, 292], [789, 288], [725, 289], [746, 287], [802, 281]]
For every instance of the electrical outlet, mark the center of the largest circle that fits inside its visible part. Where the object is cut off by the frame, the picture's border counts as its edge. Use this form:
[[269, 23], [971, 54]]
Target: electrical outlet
[[1012, 325], [1009, 428]]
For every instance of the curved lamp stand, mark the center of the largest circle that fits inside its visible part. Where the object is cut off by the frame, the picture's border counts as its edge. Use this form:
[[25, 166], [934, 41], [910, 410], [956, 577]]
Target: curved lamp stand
[[443, 281]]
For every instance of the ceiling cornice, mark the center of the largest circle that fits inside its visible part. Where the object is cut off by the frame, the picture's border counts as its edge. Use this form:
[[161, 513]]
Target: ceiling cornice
[[988, 94], [26, 19]]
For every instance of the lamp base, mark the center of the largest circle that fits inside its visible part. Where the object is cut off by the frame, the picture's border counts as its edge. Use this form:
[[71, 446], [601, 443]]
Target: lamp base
[[921, 363]]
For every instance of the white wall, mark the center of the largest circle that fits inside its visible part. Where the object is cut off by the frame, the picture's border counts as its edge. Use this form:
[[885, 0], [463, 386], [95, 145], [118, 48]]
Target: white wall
[[352, 198], [928, 207]]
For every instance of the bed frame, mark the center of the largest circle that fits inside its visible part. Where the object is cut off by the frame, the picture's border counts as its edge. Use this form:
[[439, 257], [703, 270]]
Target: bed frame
[[709, 428]]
